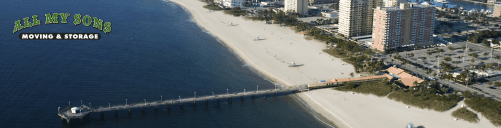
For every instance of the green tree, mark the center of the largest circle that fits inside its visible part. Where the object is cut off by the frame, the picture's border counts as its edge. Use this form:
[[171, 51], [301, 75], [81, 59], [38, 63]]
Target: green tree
[[485, 42], [451, 48], [351, 74], [466, 94], [475, 55], [498, 84], [448, 59], [412, 54], [486, 54]]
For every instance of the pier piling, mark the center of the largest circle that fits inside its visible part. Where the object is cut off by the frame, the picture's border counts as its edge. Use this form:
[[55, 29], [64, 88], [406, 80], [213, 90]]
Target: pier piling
[[156, 108], [130, 112], [253, 96], [194, 103], [168, 107], [242, 98], [116, 113], [181, 105], [218, 101], [206, 102], [142, 110]]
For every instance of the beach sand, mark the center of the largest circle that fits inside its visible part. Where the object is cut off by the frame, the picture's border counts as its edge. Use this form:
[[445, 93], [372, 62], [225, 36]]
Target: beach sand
[[278, 46]]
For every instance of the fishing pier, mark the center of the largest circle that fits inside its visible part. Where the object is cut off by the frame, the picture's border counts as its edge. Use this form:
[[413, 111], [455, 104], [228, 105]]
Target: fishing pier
[[83, 112]]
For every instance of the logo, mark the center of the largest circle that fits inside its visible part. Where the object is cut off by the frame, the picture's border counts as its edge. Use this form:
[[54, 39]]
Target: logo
[[54, 19]]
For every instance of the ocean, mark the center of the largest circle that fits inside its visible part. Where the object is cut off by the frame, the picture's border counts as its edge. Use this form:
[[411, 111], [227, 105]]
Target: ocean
[[154, 49]]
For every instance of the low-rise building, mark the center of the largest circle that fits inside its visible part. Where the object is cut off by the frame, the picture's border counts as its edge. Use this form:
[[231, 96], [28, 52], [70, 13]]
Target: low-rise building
[[491, 1], [406, 78], [233, 3], [332, 14], [494, 42], [322, 1]]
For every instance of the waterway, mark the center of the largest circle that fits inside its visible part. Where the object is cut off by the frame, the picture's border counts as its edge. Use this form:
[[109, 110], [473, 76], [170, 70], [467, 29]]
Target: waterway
[[470, 5], [154, 49]]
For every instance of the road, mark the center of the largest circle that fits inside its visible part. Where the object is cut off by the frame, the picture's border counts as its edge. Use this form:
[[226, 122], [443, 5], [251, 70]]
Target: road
[[448, 83]]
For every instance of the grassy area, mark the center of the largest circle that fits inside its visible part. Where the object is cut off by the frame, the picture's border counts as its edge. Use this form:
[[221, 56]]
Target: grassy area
[[425, 98], [489, 108], [236, 11], [465, 114], [213, 7], [378, 88]]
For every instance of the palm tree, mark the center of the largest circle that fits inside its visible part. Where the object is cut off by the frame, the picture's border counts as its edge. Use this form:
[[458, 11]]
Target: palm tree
[[415, 83], [449, 31], [428, 72], [472, 61]]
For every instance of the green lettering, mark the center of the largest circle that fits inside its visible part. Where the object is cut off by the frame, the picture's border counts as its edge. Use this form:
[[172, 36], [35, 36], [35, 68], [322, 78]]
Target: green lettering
[[107, 27], [64, 16], [51, 19], [35, 20], [17, 26], [77, 20], [27, 22], [88, 19], [98, 23]]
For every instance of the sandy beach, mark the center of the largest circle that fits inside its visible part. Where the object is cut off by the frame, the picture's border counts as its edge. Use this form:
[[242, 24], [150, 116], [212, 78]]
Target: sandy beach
[[278, 46]]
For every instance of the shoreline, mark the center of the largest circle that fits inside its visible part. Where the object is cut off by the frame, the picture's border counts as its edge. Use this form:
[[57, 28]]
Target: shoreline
[[281, 44], [305, 100]]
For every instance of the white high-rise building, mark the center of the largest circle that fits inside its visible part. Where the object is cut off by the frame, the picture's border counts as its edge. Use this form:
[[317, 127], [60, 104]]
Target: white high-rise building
[[298, 6], [355, 17]]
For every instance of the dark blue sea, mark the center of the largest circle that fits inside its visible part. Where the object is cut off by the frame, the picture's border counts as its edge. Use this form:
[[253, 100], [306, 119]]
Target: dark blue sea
[[154, 49]]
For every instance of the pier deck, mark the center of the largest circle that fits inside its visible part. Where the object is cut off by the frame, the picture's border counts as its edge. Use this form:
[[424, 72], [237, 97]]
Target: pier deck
[[67, 115]]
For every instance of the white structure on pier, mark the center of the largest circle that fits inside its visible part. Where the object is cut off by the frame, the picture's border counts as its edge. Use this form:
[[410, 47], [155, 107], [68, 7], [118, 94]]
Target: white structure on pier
[[75, 110]]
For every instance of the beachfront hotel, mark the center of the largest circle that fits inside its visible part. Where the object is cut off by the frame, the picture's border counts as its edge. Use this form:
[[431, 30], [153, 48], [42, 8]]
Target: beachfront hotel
[[298, 6], [355, 17], [403, 26]]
